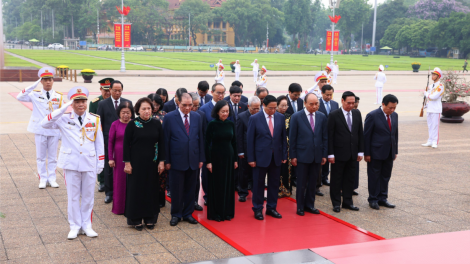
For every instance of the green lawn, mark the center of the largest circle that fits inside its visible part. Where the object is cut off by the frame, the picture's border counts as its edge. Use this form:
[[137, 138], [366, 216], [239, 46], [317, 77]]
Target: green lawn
[[74, 61], [11, 61], [200, 61]]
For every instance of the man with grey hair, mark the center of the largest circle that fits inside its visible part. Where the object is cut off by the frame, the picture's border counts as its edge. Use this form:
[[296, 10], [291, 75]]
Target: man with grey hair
[[245, 176], [261, 93], [196, 102]]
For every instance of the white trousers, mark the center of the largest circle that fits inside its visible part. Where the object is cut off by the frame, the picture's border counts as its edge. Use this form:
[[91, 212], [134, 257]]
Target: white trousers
[[46, 147], [433, 127], [378, 92], [335, 75], [80, 184], [255, 76], [237, 76]]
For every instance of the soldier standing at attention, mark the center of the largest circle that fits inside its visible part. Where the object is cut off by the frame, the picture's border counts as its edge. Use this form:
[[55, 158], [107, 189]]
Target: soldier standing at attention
[[380, 79], [220, 75], [434, 95], [44, 101], [93, 108], [264, 79], [255, 70], [81, 158], [328, 70]]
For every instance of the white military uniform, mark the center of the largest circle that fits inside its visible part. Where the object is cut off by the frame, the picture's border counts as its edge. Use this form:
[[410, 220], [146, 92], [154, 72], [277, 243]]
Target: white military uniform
[[330, 78], [434, 95], [321, 75], [238, 69], [81, 157], [220, 77], [255, 71], [46, 140], [335, 72], [380, 79], [217, 66], [263, 81]]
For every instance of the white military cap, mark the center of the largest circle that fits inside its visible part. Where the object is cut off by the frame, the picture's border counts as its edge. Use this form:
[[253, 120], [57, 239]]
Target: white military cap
[[78, 92], [46, 72], [321, 75], [381, 67], [437, 71]]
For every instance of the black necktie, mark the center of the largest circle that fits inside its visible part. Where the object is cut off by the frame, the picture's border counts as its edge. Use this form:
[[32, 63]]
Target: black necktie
[[80, 119], [235, 109], [48, 96]]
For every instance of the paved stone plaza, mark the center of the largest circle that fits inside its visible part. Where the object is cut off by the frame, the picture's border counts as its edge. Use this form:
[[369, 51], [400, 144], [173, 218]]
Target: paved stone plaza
[[429, 186]]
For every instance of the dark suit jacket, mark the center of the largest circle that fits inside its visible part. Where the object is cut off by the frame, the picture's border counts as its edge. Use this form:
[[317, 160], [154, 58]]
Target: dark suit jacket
[[169, 106], [203, 122], [304, 144], [378, 139], [108, 114], [207, 99], [260, 143], [207, 109], [183, 152], [242, 126], [333, 106], [244, 99], [242, 107], [300, 106], [342, 143]]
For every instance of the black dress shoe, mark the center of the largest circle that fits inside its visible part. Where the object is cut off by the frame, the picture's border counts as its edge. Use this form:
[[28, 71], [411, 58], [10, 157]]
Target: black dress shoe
[[326, 182], [168, 193], [205, 203], [355, 193], [374, 205], [386, 204], [336, 209], [228, 218], [150, 227], [300, 212], [101, 188], [108, 199], [139, 227], [318, 193], [259, 215], [350, 207], [312, 210], [174, 221], [162, 205], [273, 213], [242, 199], [190, 220], [197, 207]]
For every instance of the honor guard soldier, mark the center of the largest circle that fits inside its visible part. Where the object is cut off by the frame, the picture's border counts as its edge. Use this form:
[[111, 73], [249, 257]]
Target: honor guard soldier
[[380, 79], [328, 70], [220, 75], [321, 78], [44, 101], [217, 65], [434, 95], [262, 82], [81, 157], [105, 94]]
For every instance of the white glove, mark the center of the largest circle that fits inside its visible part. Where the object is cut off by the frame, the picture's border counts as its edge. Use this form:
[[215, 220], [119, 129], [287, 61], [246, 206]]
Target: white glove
[[99, 171]]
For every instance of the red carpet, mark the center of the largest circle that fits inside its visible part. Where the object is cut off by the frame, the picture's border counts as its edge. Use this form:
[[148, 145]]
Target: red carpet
[[292, 232], [436, 248]]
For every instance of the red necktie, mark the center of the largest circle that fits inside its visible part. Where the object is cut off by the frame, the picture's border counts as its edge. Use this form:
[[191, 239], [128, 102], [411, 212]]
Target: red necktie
[[389, 123], [271, 127], [186, 124]]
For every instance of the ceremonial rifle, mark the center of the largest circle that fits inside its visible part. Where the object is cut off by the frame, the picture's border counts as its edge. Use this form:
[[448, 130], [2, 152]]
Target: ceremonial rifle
[[424, 99]]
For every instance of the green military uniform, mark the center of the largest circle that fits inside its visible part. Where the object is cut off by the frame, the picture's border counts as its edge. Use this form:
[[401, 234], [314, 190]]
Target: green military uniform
[[93, 108]]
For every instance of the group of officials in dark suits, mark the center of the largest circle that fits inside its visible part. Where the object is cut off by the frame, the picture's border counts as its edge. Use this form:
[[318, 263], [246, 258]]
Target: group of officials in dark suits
[[320, 133]]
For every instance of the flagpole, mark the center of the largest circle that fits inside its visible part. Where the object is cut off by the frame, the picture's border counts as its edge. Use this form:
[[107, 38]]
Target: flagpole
[[123, 60]]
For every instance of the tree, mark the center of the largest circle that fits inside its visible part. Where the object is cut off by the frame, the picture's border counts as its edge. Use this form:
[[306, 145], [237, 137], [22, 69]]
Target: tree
[[321, 22], [353, 14], [386, 14], [428, 9], [453, 31], [200, 16], [298, 18]]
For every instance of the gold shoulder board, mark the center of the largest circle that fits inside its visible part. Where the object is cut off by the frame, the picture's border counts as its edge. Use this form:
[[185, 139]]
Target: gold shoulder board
[[94, 115], [95, 100], [36, 90], [59, 93]]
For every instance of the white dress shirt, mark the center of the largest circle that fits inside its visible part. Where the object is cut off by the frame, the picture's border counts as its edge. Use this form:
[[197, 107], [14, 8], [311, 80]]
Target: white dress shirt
[[213, 102], [182, 116], [118, 101], [325, 103], [294, 103], [345, 113], [308, 116], [386, 115], [267, 119]]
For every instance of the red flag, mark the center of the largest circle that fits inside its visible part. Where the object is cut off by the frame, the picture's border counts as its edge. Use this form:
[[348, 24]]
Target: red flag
[[298, 44], [125, 10]]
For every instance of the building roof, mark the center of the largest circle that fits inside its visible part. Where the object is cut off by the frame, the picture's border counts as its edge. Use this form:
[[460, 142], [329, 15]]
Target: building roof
[[175, 4]]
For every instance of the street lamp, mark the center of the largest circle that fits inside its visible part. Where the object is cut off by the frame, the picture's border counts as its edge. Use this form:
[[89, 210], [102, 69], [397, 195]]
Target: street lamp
[[333, 4], [123, 60], [373, 27]]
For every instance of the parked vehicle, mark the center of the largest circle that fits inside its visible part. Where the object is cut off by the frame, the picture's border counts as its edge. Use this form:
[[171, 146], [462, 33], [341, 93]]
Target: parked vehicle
[[137, 48], [55, 46], [232, 49]]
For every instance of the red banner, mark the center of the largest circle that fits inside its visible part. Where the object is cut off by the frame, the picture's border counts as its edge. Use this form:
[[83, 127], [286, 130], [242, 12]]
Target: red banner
[[118, 35], [335, 41]]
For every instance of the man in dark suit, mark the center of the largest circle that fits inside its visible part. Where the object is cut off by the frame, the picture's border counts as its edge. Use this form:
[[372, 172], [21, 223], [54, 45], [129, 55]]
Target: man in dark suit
[[345, 147], [327, 105], [261, 93], [195, 97], [234, 103], [243, 99], [202, 89], [172, 105], [381, 149], [308, 148], [295, 103], [184, 146], [107, 112], [245, 173], [266, 150]]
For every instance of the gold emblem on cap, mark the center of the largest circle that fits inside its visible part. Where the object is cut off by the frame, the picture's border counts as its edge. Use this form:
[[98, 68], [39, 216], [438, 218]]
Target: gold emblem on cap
[[79, 90], [107, 81]]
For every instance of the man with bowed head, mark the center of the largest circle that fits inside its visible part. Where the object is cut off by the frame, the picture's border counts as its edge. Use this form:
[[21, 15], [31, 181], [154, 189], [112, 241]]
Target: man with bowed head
[[81, 157], [184, 146], [266, 150], [308, 148]]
